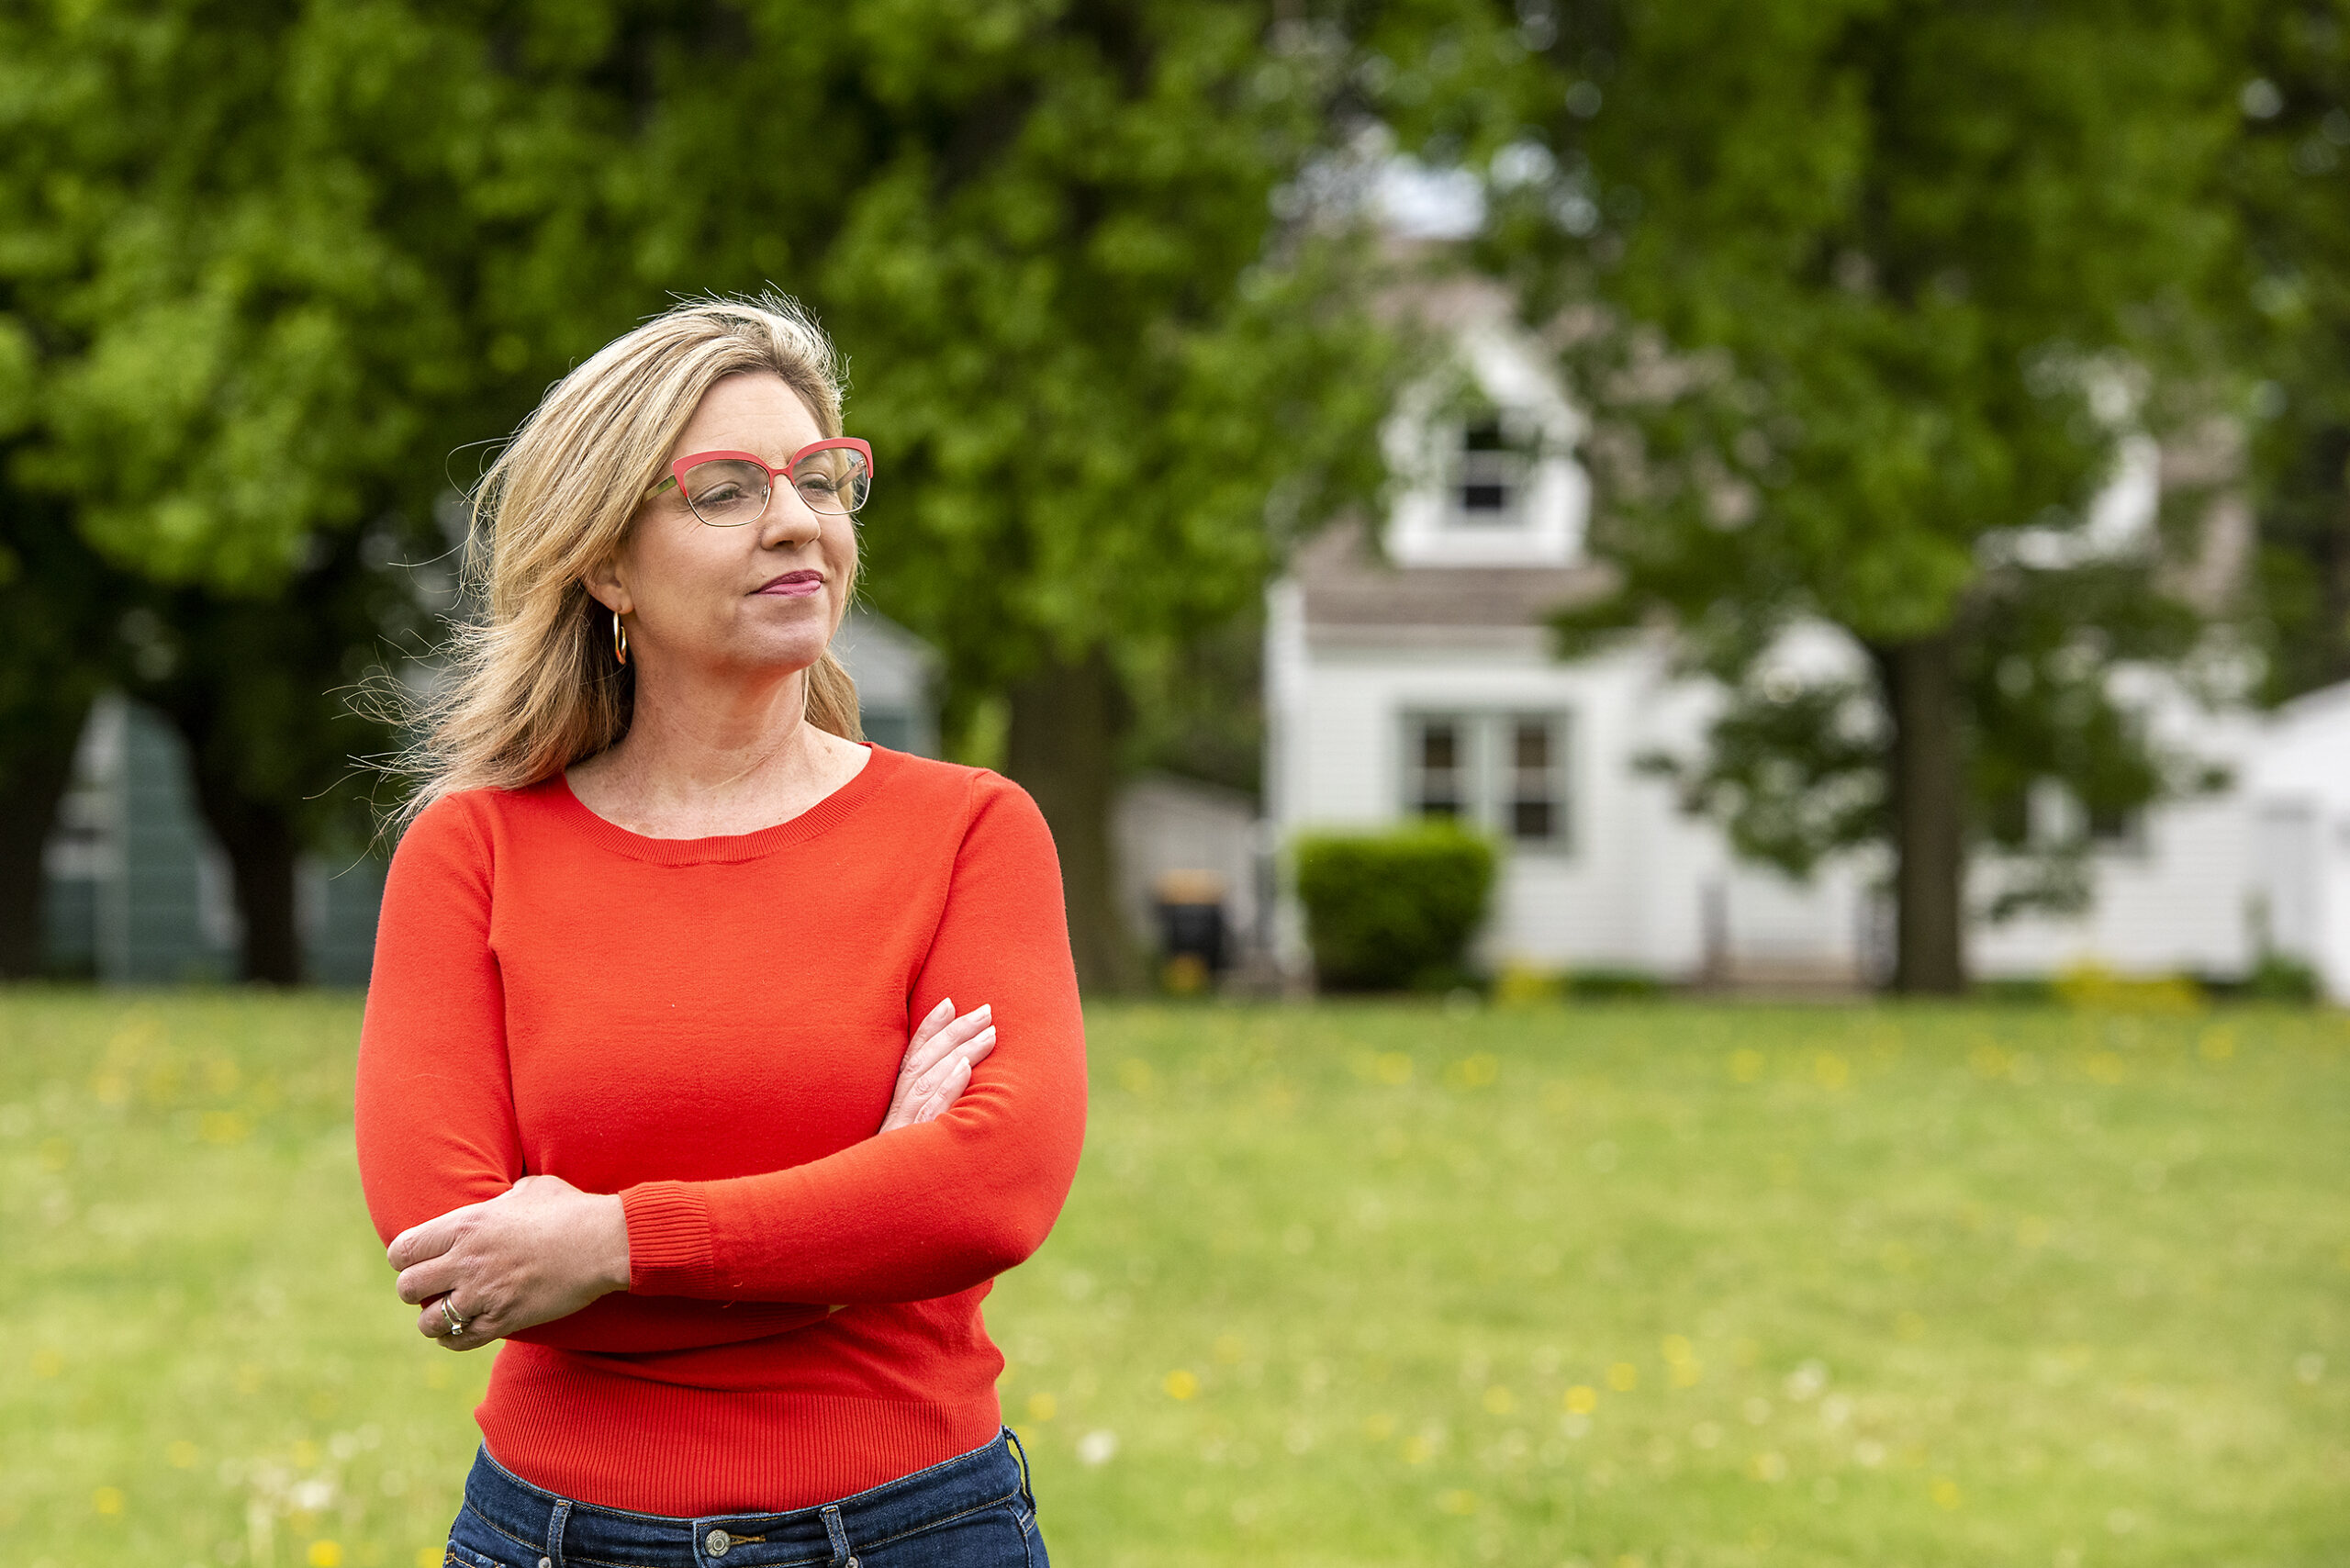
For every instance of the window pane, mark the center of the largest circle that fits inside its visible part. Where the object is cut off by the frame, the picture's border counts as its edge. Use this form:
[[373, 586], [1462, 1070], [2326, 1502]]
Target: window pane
[[1534, 808], [1487, 490], [1439, 786]]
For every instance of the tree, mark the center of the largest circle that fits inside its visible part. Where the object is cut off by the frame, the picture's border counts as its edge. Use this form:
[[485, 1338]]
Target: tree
[[57, 606], [237, 371], [2284, 176], [288, 258], [1093, 357], [1866, 295]]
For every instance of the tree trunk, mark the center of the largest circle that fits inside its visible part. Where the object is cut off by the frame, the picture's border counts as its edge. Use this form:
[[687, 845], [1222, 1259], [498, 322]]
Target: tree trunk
[[40, 764], [263, 848], [1928, 791], [1062, 748]]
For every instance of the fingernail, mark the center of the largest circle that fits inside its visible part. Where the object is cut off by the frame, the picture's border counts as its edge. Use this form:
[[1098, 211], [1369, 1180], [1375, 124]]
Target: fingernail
[[987, 1009]]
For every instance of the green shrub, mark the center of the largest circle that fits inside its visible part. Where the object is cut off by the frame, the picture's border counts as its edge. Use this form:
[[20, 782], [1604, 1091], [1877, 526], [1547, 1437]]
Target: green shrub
[[1393, 909], [1614, 985], [2277, 977]]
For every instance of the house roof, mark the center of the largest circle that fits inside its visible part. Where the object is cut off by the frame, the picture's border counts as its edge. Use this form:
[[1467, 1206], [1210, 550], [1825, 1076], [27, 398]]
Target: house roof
[[1354, 595]]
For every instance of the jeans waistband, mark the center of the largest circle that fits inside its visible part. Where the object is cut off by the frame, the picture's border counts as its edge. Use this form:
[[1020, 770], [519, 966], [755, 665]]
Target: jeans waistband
[[570, 1534]]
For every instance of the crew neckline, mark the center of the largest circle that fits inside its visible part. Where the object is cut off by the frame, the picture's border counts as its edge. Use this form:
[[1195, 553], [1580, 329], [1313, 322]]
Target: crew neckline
[[718, 848]]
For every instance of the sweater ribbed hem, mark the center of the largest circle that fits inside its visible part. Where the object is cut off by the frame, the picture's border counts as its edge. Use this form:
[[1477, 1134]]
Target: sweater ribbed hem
[[669, 1250], [655, 1448]]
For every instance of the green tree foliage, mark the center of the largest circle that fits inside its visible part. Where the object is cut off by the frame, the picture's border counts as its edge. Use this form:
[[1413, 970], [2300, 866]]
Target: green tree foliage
[[269, 265], [1864, 294], [1393, 911], [1093, 359], [230, 243], [2286, 175]]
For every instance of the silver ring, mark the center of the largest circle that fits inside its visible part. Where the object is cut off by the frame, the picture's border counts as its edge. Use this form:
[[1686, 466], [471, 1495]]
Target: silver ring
[[449, 1315]]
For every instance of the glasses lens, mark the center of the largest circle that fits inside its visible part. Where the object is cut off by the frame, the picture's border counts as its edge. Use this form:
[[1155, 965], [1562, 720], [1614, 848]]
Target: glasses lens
[[726, 492], [834, 480]]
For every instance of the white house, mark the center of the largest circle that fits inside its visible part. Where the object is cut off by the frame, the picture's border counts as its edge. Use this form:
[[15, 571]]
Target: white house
[[1410, 671]]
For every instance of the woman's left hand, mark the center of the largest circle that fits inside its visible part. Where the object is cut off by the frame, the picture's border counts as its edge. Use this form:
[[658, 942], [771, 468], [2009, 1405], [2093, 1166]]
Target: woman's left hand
[[540, 1250]]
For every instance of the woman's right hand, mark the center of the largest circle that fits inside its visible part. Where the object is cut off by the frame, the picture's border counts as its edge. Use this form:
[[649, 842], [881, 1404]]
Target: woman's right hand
[[938, 1062]]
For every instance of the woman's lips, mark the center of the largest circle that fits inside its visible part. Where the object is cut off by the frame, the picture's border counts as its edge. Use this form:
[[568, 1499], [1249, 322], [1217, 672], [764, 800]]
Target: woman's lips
[[795, 585]]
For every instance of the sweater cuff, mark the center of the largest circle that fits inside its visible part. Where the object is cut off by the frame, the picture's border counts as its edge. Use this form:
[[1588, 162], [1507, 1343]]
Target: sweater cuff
[[668, 1240]]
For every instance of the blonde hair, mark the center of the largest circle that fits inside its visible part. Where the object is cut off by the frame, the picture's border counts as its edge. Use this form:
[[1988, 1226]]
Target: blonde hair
[[531, 683]]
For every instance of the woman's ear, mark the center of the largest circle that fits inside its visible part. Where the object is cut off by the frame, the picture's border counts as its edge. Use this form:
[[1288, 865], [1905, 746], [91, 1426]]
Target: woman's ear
[[604, 586]]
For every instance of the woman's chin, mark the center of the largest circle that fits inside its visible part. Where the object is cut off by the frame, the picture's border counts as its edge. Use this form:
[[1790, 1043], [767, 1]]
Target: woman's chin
[[772, 657]]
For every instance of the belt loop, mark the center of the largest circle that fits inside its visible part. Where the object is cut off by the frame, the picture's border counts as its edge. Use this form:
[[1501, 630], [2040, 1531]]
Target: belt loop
[[839, 1536], [561, 1517], [1027, 1495]]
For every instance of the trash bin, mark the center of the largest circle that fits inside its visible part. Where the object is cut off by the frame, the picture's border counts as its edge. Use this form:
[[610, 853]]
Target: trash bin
[[1191, 940]]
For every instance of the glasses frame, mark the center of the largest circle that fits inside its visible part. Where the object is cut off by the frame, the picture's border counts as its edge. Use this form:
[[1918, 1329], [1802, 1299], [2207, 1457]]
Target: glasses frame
[[677, 471]]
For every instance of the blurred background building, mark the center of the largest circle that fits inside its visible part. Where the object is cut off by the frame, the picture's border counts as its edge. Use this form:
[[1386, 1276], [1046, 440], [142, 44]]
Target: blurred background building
[[1411, 672]]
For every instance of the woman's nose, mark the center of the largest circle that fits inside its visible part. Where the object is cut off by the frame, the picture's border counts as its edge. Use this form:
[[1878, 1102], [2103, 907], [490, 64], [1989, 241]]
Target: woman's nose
[[789, 518]]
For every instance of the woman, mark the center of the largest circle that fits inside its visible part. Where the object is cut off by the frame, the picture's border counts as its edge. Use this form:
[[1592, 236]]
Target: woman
[[661, 1080]]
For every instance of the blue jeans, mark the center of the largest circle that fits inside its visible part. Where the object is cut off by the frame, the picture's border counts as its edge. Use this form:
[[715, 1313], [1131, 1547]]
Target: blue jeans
[[973, 1511]]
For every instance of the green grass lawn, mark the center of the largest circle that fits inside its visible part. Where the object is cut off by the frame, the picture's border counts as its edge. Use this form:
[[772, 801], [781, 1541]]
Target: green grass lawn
[[1651, 1285]]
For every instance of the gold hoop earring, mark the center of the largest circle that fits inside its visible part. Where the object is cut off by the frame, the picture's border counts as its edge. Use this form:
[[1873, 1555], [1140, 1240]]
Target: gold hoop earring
[[619, 638]]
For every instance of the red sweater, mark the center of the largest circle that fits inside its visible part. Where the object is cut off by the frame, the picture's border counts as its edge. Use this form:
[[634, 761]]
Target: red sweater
[[711, 1029]]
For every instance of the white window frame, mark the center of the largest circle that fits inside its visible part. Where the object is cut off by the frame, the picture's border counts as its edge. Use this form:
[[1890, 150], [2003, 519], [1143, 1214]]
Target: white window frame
[[1489, 783]]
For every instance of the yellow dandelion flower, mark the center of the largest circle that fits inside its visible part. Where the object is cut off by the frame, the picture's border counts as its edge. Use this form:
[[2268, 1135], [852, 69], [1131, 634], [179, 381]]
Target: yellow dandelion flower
[[1378, 1427], [1392, 1066], [1945, 1493], [1677, 1348], [1831, 1070], [108, 1500], [1746, 1066], [326, 1554], [1416, 1449], [1180, 1383], [182, 1454], [1458, 1501], [1581, 1399], [224, 1127], [1498, 1401], [1623, 1377], [1042, 1407]]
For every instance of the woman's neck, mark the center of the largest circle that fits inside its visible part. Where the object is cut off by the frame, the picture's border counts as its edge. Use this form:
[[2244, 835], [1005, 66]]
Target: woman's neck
[[699, 765]]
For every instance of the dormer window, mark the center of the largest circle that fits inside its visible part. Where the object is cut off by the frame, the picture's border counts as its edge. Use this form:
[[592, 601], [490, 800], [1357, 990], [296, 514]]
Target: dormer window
[[1489, 489], [1482, 453]]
